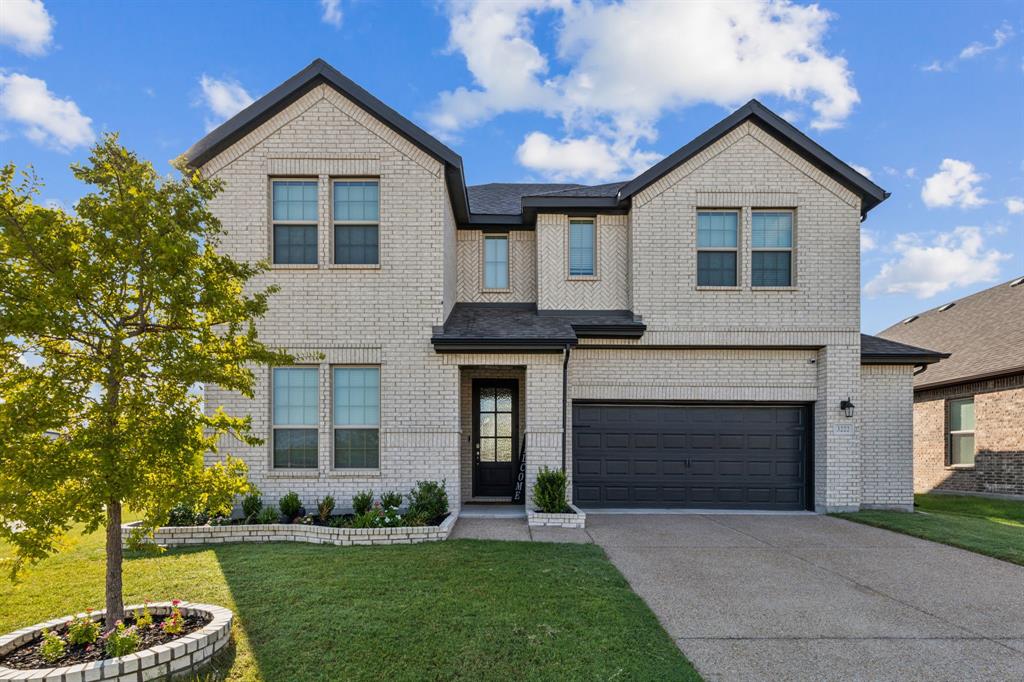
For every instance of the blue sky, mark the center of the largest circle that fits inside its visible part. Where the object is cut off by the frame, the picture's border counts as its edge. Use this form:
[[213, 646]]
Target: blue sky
[[926, 96]]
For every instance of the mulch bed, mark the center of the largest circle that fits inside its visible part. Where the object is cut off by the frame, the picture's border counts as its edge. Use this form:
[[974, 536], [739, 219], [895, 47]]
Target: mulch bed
[[27, 656]]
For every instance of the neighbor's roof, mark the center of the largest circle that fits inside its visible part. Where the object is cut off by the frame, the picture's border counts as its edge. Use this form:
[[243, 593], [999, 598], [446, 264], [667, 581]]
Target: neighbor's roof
[[878, 351], [983, 333], [517, 204]]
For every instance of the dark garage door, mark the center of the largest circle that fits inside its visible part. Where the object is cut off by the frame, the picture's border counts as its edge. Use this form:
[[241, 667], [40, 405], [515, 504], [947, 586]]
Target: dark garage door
[[701, 456]]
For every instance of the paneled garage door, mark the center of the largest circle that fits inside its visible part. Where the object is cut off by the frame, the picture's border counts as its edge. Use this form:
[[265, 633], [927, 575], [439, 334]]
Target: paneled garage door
[[700, 456]]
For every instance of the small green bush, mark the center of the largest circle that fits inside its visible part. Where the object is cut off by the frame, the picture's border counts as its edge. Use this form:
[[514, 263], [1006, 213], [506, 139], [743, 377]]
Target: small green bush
[[290, 505], [361, 502], [341, 522], [549, 491], [391, 499], [324, 508], [121, 641], [52, 649], [83, 630], [252, 504], [428, 500], [268, 515], [182, 515], [368, 519]]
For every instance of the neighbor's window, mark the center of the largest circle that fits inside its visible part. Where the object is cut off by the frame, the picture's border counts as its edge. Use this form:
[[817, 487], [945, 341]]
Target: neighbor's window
[[356, 222], [716, 248], [295, 417], [961, 432], [496, 262], [771, 257], [582, 240], [295, 222], [356, 417]]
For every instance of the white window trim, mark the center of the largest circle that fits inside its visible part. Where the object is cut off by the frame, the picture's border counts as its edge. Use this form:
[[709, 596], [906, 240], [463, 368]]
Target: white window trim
[[483, 262], [271, 222], [274, 426], [332, 222], [962, 432], [791, 249], [738, 212], [355, 471], [597, 250]]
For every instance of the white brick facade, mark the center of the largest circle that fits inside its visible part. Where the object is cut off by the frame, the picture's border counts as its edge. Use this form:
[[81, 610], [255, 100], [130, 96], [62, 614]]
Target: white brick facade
[[788, 344]]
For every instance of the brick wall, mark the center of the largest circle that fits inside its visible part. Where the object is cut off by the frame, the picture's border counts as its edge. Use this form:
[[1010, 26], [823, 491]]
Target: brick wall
[[886, 422], [607, 289], [522, 268]]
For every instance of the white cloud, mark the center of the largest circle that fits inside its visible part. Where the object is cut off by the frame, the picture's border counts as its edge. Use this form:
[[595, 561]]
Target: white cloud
[[589, 158], [956, 183], [999, 38], [332, 12], [867, 241], [627, 64], [863, 170], [26, 26], [46, 119], [225, 98], [1015, 205], [953, 259]]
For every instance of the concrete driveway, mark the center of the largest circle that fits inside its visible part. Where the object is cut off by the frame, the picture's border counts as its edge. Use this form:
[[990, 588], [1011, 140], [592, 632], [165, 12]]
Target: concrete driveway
[[808, 597]]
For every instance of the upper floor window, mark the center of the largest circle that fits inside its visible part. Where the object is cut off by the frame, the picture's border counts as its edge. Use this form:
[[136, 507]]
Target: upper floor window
[[582, 247], [294, 222], [716, 248], [356, 417], [961, 432], [496, 262], [356, 222], [295, 417], [771, 257]]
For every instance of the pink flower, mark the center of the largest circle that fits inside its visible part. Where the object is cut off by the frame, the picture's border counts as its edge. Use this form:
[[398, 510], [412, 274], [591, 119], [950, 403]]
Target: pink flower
[[175, 602]]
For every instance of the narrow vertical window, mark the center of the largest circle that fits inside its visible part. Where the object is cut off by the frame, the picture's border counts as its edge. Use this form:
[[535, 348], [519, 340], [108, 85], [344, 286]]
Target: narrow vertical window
[[716, 248], [771, 257], [582, 243], [496, 262], [961, 432], [295, 417], [356, 417], [356, 222], [294, 222]]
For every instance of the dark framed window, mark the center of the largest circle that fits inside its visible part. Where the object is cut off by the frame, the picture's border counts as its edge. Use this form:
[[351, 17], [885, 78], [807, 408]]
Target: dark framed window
[[960, 450], [771, 257], [717, 239], [294, 211], [295, 417], [356, 417], [582, 248], [356, 222], [495, 262]]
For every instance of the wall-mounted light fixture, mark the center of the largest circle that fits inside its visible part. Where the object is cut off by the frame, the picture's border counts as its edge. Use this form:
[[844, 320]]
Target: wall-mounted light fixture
[[847, 407]]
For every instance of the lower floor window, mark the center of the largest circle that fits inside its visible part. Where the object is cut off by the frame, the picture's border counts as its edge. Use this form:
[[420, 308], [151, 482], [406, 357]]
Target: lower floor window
[[356, 449], [356, 417], [961, 432], [295, 448]]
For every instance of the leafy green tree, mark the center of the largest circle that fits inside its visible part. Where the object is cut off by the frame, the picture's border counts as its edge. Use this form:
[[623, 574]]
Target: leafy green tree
[[110, 318]]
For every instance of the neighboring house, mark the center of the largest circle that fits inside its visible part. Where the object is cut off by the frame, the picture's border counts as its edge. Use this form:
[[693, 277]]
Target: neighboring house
[[686, 338], [969, 408]]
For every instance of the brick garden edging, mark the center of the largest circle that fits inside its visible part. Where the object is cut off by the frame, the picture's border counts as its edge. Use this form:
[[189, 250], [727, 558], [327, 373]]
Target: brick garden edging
[[177, 536], [575, 519], [179, 657]]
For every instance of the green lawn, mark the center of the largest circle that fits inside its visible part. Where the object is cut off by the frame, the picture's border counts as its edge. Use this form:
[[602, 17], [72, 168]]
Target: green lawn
[[980, 524], [461, 609]]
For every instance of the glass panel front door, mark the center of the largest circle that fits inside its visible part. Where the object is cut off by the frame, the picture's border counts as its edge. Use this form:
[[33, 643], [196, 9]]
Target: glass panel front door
[[495, 436]]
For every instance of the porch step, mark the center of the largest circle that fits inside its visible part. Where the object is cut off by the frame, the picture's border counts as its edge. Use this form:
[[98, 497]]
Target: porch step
[[492, 511]]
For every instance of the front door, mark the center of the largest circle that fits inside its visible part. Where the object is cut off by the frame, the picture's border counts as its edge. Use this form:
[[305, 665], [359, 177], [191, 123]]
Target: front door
[[495, 436]]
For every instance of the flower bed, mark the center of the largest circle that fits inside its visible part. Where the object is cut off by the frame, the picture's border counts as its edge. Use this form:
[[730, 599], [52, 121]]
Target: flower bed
[[570, 519], [176, 536], [205, 630]]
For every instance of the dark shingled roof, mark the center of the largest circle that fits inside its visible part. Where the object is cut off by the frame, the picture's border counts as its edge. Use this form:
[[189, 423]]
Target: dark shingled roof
[[608, 190], [506, 198], [983, 334], [521, 325], [875, 350]]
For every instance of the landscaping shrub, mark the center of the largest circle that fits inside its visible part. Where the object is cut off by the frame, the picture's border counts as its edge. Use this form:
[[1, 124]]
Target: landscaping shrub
[[549, 491], [391, 499], [83, 630], [53, 648], [252, 504], [121, 641], [144, 619], [361, 502], [268, 515], [290, 505], [182, 515], [324, 508], [367, 519], [428, 500]]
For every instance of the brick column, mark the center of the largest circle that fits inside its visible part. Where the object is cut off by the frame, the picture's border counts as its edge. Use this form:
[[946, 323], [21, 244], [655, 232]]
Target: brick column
[[837, 455]]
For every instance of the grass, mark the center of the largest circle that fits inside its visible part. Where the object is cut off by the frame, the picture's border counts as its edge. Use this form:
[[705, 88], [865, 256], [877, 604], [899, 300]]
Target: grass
[[461, 609], [984, 525]]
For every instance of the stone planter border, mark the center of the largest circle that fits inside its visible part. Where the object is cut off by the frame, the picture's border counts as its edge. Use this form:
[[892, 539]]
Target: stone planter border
[[177, 658], [574, 519], [179, 536]]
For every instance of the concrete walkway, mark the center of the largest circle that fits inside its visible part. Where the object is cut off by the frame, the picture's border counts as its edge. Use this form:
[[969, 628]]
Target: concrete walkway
[[808, 597]]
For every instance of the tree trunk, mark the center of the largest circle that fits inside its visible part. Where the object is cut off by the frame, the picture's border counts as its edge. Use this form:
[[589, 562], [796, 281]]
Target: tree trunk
[[115, 599]]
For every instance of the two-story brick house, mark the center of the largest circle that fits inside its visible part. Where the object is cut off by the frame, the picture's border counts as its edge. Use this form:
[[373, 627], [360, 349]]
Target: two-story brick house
[[686, 338]]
